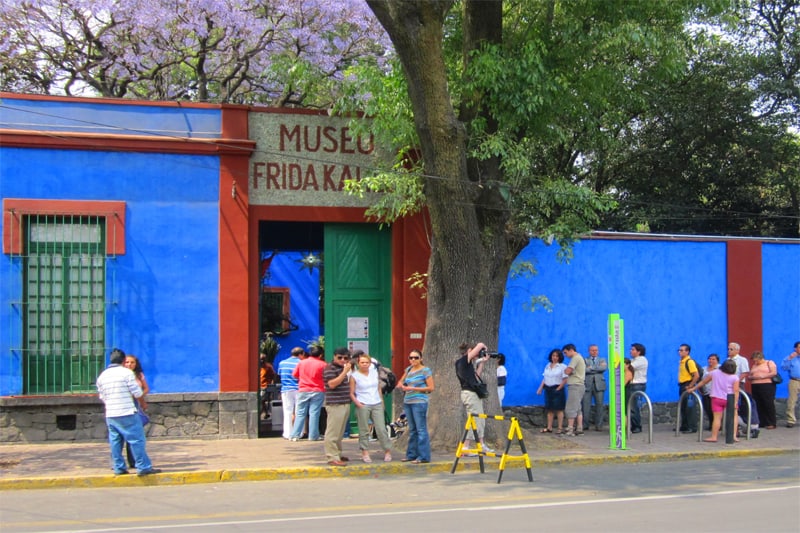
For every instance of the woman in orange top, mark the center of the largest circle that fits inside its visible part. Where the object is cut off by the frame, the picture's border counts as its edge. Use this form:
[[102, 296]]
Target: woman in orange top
[[763, 389]]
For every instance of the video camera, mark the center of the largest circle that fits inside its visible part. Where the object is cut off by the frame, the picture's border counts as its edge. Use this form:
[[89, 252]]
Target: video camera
[[493, 355]]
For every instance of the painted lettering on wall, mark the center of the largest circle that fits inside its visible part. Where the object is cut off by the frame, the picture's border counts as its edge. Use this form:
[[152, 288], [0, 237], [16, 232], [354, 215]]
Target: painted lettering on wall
[[296, 177], [328, 139], [306, 159]]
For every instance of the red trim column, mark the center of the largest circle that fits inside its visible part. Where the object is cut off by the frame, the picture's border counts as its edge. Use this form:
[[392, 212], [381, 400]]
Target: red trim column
[[410, 255], [237, 343], [745, 295]]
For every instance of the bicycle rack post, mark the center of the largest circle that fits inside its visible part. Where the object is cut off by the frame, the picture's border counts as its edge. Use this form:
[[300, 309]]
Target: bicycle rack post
[[644, 395], [699, 401]]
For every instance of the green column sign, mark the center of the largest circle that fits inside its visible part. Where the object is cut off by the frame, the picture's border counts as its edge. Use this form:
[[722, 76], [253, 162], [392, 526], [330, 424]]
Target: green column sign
[[616, 395]]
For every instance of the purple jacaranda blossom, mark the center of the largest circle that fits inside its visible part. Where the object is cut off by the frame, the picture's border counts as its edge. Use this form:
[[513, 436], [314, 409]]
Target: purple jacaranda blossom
[[278, 52]]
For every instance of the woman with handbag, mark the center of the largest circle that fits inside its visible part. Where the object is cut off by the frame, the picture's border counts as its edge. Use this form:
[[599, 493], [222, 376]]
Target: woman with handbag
[[763, 389], [417, 384]]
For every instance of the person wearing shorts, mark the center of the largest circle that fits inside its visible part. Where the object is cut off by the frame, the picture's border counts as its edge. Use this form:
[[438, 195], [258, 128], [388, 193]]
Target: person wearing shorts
[[723, 383]]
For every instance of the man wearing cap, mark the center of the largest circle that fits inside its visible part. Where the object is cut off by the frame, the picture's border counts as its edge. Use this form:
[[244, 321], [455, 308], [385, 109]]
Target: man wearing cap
[[289, 389], [117, 388]]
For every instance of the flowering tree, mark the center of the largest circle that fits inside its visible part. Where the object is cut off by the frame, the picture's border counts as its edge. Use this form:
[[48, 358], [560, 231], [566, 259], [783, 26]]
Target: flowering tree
[[279, 52]]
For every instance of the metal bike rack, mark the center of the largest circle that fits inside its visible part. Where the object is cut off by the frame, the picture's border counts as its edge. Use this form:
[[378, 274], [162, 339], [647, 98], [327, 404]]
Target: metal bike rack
[[746, 397], [699, 401], [644, 395]]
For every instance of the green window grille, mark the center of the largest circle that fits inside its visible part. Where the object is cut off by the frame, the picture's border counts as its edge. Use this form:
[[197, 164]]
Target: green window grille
[[63, 303]]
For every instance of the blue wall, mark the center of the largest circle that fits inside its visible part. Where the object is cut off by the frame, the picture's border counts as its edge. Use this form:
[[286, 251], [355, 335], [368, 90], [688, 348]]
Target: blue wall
[[91, 116], [781, 303], [304, 306], [667, 293], [165, 305]]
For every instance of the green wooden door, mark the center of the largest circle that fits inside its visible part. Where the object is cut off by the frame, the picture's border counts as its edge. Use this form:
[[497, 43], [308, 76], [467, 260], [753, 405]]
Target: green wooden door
[[358, 289]]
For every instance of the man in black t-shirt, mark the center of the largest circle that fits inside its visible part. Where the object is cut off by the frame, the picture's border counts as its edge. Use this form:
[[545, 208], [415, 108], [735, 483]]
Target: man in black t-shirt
[[469, 378]]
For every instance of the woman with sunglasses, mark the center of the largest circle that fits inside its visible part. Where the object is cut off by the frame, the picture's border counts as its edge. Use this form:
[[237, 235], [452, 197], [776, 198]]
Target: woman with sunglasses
[[417, 383]]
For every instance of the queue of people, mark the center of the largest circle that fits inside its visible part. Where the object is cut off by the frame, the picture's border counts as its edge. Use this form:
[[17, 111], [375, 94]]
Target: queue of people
[[308, 383], [569, 390], [573, 386]]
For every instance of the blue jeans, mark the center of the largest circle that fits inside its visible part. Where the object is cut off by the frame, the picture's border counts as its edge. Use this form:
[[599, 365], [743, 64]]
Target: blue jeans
[[122, 429], [419, 443], [309, 405], [636, 415], [688, 409]]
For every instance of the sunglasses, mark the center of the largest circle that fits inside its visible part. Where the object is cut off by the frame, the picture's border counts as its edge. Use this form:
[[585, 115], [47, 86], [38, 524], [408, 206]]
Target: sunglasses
[[413, 357], [344, 357]]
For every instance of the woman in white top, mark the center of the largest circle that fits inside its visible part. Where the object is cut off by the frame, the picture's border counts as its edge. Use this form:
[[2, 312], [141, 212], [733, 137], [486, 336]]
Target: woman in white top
[[553, 383], [502, 376], [365, 391], [713, 364]]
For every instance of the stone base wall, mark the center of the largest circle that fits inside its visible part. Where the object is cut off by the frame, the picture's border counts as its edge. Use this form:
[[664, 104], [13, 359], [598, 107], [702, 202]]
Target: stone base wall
[[196, 416], [173, 416], [534, 416]]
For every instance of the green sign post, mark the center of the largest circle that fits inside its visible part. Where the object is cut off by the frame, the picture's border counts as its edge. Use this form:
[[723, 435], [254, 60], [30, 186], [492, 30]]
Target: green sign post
[[616, 395]]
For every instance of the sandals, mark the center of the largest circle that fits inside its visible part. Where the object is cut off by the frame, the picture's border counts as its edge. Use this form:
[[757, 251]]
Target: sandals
[[546, 430], [366, 458], [559, 431]]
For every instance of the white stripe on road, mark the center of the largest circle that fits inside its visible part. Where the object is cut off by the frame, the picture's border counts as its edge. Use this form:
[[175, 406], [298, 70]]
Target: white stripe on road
[[406, 512]]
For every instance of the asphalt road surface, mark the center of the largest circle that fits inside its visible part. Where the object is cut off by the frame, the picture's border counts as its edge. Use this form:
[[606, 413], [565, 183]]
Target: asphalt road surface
[[739, 494]]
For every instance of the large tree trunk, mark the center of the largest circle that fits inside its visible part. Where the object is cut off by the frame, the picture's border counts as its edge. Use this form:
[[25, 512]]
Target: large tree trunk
[[471, 250]]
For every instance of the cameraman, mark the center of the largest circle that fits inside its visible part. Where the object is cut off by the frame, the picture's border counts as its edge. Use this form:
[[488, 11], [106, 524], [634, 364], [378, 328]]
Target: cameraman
[[472, 388]]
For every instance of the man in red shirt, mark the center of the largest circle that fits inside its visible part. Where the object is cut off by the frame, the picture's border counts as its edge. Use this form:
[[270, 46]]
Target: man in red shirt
[[310, 393]]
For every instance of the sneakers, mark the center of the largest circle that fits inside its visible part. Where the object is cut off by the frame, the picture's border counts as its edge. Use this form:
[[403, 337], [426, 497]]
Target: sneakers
[[570, 432], [149, 471]]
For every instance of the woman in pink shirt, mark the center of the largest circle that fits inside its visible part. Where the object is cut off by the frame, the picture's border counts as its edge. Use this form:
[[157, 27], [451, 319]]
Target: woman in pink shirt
[[723, 382]]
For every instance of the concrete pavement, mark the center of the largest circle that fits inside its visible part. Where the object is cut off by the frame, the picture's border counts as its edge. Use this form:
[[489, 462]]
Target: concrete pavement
[[86, 464]]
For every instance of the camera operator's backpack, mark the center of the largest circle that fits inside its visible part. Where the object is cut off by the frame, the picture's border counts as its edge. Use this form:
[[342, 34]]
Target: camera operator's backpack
[[387, 377]]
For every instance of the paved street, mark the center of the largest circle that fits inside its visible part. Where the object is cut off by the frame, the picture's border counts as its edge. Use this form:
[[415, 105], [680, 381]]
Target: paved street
[[86, 464], [616, 496]]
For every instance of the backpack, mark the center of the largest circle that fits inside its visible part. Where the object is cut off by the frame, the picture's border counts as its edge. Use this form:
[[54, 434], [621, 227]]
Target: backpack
[[387, 377], [700, 371]]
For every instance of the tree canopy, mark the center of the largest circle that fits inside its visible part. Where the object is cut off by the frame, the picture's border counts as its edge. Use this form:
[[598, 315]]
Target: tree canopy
[[281, 52]]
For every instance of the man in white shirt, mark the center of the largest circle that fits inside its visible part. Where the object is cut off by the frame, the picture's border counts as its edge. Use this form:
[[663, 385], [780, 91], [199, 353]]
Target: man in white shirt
[[638, 383], [742, 371], [742, 365], [117, 388]]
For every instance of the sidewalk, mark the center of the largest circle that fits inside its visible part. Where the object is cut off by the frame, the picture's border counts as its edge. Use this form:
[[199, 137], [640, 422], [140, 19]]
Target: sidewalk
[[86, 464]]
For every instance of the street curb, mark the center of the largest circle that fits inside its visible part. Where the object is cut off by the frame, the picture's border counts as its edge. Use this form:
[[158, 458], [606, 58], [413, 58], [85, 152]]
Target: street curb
[[378, 470]]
